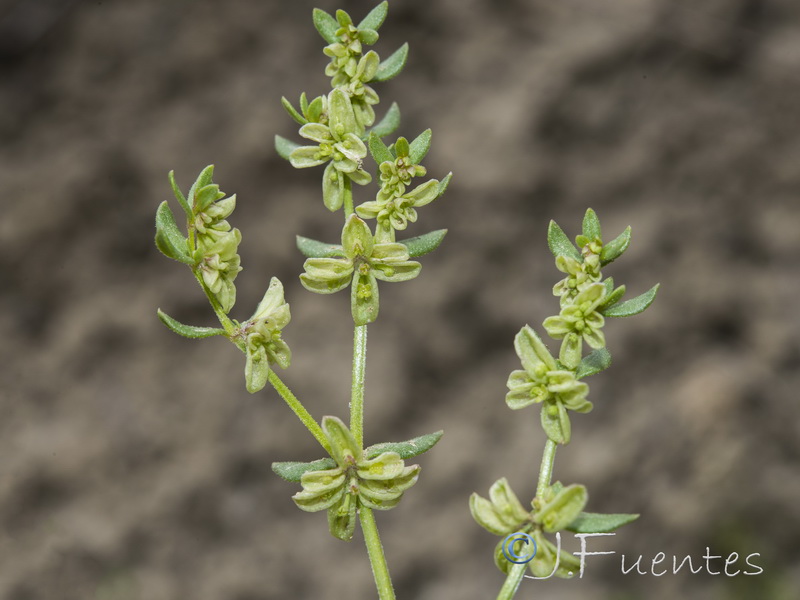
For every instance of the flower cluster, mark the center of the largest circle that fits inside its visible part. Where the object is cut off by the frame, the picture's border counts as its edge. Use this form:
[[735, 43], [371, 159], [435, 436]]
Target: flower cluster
[[376, 482], [394, 207], [216, 243], [262, 337], [350, 69], [558, 508], [361, 264]]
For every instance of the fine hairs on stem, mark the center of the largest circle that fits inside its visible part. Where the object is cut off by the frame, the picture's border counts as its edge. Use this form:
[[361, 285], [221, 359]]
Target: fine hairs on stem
[[340, 129], [586, 299]]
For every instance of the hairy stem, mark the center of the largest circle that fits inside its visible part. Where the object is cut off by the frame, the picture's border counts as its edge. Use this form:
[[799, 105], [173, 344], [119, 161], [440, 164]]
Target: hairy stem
[[513, 579], [348, 197], [298, 409], [380, 569], [546, 470], [357, 392]]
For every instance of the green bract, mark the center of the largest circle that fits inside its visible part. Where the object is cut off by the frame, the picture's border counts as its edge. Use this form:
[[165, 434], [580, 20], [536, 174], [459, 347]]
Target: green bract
[[377, 483], [363, 263]]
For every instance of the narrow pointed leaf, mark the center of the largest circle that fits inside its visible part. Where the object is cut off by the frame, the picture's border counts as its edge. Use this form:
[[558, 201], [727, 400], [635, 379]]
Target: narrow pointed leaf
[[389, 123], [379, 150], [614, 249], [598, 360], [284, 147], [314, 249], [559, 243], [204, 179], [293, 111], [444, 183], [326, 25], [425, 243], [633, 306], [169, 239], [612, 296], [179, 196], [392, 66], [293, 471], [375, 17], [600, 523], [188, 331], [409, 448], [420, 146], [591, 225]]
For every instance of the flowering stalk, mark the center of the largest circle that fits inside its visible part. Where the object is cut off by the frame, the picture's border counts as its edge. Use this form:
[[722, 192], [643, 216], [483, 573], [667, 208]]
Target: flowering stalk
[[586, 299]]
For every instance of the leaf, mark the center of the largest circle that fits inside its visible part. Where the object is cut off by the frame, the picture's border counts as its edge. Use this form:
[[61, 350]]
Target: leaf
[[612, 296], [293, 471], [326, 25], [379, 150], [293, 111], [420, 146], [425, 243], [389, 123], [375, 17], [444, 183], [284, 147], [598, 360], [600, 523], [314, 249], [408, 449], [179, 196], [559, 243], [204, 179], [633, 306], [169, 239], [188, 331], [614, 249], [392, 66], [591, 225]]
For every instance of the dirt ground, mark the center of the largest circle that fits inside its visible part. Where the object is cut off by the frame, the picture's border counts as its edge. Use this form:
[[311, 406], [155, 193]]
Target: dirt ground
[[135, 466]]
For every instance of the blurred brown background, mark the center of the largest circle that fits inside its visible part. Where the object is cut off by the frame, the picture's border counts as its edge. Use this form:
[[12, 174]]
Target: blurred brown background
[[135, 466]]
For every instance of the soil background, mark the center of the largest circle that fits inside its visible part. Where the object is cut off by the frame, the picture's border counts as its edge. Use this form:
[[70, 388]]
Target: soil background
[[135, 466]]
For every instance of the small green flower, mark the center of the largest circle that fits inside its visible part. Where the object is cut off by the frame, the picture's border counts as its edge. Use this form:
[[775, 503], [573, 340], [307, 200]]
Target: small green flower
[[396, 175], [581, 317], [262, 337], [395, 214], [578, 278], [364, 262], [338, 142], [219, 263], [541, 381], [377, 483]]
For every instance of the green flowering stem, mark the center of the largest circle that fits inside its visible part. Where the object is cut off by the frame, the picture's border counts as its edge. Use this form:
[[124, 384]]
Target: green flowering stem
[[380, 570], [280, 387], [513, 579], [517, 570], [298, 409], [357, 395], [224, 319], [348, 197], [546, 470]]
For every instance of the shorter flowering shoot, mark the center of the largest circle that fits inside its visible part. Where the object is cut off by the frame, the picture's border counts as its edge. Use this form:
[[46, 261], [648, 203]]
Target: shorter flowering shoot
[[361, 264], [395, 206], [586, 299], [209, 249], [352, 478]]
